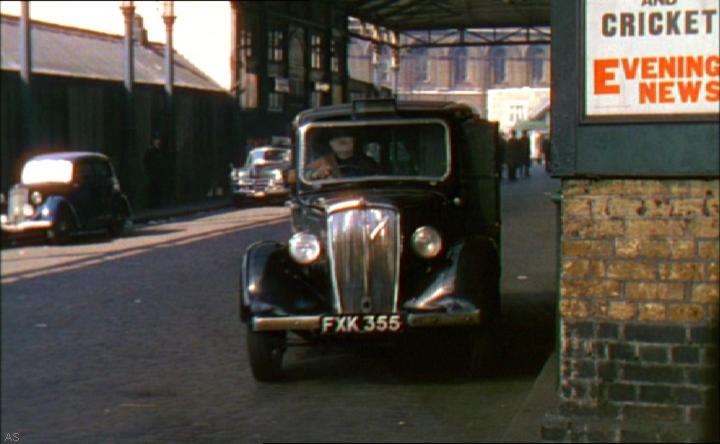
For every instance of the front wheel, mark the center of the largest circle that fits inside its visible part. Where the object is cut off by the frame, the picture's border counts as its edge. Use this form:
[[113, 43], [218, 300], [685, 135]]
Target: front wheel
[[62, 227], [265, 350]]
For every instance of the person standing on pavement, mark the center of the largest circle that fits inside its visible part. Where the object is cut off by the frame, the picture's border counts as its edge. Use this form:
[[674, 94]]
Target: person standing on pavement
[[154, 166], [525, 161], [513, 155], [545, 147]]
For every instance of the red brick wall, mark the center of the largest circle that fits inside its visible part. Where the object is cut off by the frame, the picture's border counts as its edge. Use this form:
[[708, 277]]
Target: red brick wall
[[639, 310]]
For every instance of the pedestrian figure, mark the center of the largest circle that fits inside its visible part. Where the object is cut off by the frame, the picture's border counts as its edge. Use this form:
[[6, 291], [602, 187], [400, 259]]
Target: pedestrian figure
[[154, 169], [513, 155], [500, 150], [525, 162], [545, 146]]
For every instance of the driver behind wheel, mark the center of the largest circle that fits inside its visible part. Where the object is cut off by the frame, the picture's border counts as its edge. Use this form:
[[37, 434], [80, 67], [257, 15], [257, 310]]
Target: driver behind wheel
[[343, 161]]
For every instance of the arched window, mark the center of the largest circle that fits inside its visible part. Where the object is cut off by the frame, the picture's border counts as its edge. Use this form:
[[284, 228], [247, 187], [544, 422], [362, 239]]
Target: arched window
[[536, 59], [460, 60], [498, 60]]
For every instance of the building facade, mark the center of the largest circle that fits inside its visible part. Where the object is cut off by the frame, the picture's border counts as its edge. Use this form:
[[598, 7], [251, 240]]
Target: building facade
[[506, 84]]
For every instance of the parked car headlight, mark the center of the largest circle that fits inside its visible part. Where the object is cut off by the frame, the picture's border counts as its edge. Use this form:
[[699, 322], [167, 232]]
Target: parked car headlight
[[28, 210], [304, 248], [36, 198], [427, 242]]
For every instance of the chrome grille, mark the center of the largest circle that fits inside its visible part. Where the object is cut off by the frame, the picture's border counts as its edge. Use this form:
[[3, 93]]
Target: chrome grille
[[364, 252], [17, 198]]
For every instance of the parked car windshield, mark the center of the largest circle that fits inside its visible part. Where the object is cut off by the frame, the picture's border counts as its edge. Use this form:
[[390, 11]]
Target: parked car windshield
[[47, 171], [267, 155], [383, 150]]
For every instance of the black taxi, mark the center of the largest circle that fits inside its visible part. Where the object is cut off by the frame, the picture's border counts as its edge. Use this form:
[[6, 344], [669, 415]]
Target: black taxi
[[395, 227], [64, 193]]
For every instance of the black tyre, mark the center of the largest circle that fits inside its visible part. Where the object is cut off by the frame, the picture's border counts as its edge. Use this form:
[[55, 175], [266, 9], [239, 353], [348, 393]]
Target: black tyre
[[116, 228], [484, 351], [238, 201], [265, 350], [60, 231]]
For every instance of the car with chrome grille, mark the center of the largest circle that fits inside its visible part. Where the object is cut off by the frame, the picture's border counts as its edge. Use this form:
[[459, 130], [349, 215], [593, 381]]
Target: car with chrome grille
[[65, 193], [395, 228], [263, 177]]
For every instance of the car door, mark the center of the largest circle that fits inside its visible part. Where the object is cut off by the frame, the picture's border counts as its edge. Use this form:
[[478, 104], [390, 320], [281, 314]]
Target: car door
[[479, 181], [104, 186], [84, 193]]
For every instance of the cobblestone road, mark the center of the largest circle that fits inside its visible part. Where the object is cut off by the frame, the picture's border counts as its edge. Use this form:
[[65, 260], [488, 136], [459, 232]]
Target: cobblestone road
[[137, 340]]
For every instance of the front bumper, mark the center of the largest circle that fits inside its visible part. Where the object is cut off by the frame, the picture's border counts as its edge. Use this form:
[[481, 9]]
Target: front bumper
[[259, 192], [26, 226], [411, 320]]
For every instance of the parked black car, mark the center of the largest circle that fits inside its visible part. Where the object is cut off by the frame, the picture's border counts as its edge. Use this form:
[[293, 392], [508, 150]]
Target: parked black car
[[263, 177], [400, 232], [65, 193]]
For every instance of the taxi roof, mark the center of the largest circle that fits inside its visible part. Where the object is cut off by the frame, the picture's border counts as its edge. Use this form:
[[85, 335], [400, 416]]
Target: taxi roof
[[384, 108]]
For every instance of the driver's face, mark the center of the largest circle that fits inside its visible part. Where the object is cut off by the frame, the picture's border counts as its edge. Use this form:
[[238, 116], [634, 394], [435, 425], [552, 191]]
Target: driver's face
[[342, 146]]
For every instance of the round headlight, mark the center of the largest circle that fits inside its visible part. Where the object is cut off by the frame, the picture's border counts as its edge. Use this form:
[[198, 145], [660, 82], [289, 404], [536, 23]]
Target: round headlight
[[427, 242], [36, 198], [28, 210], [304, 248]]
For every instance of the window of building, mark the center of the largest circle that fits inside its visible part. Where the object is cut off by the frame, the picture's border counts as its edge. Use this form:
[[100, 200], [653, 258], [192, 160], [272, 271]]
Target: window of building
[[498, 60], [246, 42], [316, 57], [517, 112], [275, 46], [422, 73], [275, 101], [460, 62], [536, 56]]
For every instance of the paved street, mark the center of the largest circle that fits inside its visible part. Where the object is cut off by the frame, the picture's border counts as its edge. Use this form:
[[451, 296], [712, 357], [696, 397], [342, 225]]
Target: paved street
[[137, 340]]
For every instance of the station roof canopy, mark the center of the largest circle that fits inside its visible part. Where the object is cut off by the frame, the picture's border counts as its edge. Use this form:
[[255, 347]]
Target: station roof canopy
[[420, 15]]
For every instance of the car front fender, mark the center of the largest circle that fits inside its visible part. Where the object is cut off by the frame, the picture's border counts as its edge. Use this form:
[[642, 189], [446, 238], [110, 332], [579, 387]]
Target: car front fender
[[272, 284], [468, 281], [53, 205]]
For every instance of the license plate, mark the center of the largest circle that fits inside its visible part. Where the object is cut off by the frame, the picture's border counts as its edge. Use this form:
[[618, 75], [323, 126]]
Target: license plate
[[349, 324]]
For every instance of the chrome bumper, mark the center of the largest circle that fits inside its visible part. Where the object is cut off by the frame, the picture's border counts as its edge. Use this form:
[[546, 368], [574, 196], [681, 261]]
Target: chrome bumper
[[28, 225], [411, 320]]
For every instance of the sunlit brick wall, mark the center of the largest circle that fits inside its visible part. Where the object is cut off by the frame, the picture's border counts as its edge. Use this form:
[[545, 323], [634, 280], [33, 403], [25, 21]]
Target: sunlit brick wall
[[639, 311]]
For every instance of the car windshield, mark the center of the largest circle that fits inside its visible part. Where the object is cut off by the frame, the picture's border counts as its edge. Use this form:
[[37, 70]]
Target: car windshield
[[265, 156], [384, 150], [47, 171]]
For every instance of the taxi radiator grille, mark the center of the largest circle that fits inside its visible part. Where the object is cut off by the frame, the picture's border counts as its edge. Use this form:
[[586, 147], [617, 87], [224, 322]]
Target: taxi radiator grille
[[364, 253]]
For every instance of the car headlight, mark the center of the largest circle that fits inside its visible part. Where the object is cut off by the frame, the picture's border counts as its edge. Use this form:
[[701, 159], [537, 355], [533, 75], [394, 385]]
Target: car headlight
[[304, 248], [36, 198], [28, 210], [426, 242]]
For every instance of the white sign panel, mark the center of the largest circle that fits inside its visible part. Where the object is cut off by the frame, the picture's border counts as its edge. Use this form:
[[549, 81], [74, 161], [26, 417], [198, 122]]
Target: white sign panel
[[652, 57]]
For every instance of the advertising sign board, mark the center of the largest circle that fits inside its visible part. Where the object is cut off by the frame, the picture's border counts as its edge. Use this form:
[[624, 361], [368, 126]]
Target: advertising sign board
[[651, 59]]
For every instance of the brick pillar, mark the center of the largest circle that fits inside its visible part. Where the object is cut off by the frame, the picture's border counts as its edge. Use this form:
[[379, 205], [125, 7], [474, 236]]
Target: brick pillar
[[638, 311]]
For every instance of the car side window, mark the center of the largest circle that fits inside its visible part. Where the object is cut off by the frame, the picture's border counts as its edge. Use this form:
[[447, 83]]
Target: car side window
[[83, 171], [102, 170]]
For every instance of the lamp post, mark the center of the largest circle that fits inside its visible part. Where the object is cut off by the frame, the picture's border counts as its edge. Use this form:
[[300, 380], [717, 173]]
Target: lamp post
[[168, 16], [128, 10], [127, 153], [25, 72]]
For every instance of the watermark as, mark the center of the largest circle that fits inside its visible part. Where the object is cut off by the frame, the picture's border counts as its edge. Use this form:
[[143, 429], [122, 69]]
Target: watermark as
[[11, 437]]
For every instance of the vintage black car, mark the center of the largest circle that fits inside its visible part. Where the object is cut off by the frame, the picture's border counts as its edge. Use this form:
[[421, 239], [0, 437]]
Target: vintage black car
[[65, 193], [407, 238], [263, 177]]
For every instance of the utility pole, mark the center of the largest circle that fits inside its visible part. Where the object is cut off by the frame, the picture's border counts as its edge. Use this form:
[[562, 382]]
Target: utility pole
[[169, 126], [25, 81], [128, 152]]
